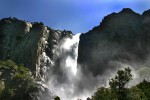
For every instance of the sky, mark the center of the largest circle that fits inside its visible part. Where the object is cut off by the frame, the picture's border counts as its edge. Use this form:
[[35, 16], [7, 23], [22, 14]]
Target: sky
[[79, 16]]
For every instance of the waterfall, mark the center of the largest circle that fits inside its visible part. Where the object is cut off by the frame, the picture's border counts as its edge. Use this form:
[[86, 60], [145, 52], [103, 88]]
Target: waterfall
[[71, 45], [63, 82]]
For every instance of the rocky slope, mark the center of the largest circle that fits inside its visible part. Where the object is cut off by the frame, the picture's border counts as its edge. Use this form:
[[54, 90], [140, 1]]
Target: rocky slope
[[33, 45], [122, 37]]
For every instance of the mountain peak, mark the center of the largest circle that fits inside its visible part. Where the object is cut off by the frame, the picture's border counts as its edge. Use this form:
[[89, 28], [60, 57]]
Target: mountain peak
[[146, 13], [127, 10]]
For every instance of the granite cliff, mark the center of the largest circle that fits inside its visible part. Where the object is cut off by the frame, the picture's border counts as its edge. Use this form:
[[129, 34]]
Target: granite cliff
[[24, 42], [32, 45], [122, 37]]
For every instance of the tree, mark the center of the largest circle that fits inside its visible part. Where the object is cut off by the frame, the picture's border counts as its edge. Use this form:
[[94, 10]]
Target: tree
[[118, 83], [117, 90], [102, 94], [145, 88], [57, 98], [134, 93]]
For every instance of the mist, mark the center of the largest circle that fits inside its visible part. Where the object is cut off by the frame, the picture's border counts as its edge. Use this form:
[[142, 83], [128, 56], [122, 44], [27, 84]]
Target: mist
[[71, 80]]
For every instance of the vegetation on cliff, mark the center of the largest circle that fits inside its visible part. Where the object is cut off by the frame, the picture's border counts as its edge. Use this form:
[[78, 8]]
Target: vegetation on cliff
[[16, 82]]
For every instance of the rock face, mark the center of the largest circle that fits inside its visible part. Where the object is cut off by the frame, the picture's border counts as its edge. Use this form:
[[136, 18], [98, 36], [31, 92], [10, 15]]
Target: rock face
[[33, 45], [28, 43], [122, 37]]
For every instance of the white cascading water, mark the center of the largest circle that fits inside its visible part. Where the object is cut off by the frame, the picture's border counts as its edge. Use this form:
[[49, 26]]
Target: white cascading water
[[70, 44], [68, 65], [69, 83]]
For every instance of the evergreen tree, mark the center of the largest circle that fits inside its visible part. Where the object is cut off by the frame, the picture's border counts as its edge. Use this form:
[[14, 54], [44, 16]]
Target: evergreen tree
[[118, 83], [57, 98]]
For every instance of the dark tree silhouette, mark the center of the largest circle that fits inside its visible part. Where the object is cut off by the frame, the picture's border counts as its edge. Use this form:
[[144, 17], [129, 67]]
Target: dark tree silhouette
[[57, 98]]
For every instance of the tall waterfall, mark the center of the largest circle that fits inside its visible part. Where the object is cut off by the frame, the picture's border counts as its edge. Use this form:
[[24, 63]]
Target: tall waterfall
[[71, 45], [66, 79], [63, 83]]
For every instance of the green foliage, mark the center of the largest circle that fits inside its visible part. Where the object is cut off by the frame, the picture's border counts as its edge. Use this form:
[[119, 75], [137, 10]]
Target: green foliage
[[57, 98], [6, 94], [134, 93], [118, 83], [145, 88], [7, 64], [17, 81], [117, 90], [102, 93]]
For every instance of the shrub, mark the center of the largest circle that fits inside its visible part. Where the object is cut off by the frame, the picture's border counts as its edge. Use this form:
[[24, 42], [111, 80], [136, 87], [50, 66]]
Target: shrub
[[17, 81]]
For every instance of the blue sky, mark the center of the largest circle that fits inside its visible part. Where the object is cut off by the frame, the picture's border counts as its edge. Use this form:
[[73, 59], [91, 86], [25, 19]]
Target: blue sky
[[75, 15]]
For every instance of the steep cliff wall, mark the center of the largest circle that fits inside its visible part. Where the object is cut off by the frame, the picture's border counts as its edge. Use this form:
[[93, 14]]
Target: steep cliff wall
[[122, 37], [27, 43]]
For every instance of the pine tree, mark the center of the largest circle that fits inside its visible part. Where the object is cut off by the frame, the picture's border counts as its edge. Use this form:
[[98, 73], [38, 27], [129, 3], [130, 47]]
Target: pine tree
[[118, 83]]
